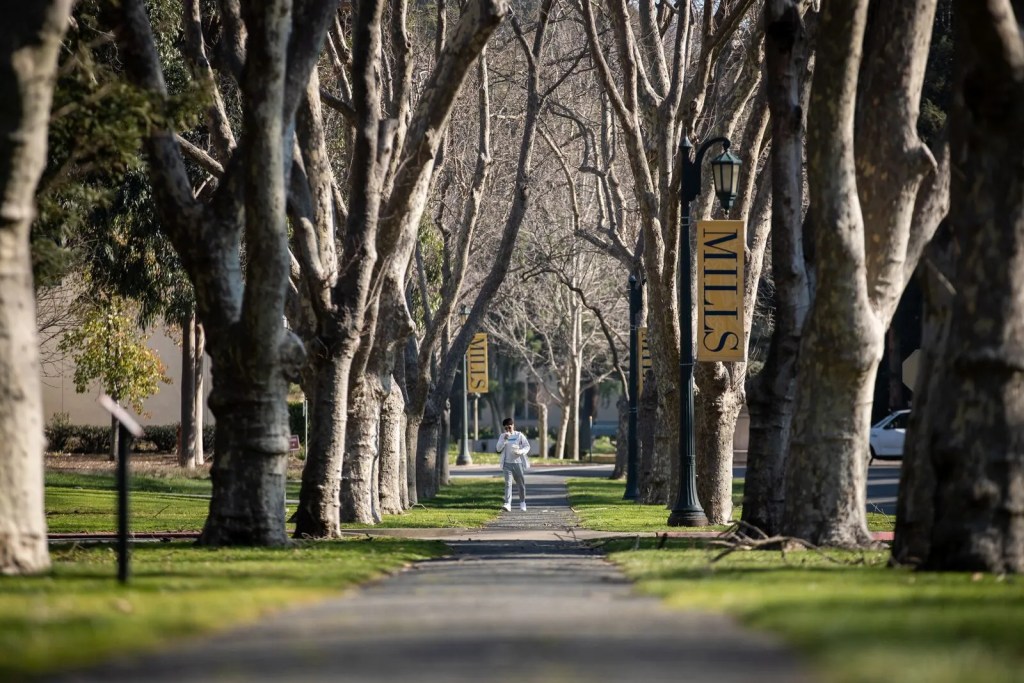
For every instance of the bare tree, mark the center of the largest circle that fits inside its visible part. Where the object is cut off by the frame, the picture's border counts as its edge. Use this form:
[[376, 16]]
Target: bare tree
[[358, 295], [873, 207], [655, 103], [29, 43], [430, 458], [962, 498], [771, 394], [254, 357]]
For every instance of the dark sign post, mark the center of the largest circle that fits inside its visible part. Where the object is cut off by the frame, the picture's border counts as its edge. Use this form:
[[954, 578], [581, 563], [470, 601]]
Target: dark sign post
[[126, 430]]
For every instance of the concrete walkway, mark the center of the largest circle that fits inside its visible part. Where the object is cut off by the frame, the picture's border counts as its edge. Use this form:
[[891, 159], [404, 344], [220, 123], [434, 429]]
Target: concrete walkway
[[522, 601]]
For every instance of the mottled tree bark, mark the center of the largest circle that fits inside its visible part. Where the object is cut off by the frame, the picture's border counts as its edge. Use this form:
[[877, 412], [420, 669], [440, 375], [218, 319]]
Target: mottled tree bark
[[254, 358], [621, 437], [869, 230], [974, 423], [361, 449], [187, 425], [826, 470], [653, 475], [770, 397], [29, 42], [392, 455]]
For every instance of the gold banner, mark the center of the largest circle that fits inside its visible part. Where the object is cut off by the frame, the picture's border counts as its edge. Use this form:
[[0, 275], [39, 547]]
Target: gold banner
[[477, 380], [645, 358], [720, 332]]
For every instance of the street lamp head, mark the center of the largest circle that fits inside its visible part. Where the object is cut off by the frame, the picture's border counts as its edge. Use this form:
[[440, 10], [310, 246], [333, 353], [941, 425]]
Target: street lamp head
[[725, 169], [463, 313]]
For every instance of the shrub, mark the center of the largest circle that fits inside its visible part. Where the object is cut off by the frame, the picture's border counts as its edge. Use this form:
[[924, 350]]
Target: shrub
[[87, 439], [58, 432], [163, 437], [296, 420]]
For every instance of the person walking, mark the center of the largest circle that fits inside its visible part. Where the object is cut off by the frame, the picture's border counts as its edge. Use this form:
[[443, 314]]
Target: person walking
[[514, 461]]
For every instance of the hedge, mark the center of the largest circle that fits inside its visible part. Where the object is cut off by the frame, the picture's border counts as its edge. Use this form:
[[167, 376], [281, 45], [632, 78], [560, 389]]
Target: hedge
[[64, 437], [67, 438]]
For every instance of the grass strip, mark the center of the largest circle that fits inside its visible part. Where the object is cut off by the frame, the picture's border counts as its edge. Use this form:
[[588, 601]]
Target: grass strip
[[78, 614], [465, 503], [599, 505], [79, 503], [857, 620]]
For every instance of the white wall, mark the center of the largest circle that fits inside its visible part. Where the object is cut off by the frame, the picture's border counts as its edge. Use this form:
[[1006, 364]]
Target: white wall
[[59, 395]]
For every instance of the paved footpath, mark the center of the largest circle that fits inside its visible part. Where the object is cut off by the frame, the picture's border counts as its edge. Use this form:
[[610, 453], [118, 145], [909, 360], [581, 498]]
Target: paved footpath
[[518, 601]]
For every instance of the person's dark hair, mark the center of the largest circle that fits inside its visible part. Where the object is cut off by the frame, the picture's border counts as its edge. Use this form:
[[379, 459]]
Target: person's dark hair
[[507, 422]]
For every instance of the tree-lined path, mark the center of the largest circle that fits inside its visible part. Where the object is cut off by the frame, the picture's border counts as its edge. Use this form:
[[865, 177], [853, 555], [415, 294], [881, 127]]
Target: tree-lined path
[[520, 600]]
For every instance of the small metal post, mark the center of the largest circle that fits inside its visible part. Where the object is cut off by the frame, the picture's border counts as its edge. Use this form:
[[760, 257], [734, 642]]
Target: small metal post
[[126, 429], [465, 458], [124, 442]]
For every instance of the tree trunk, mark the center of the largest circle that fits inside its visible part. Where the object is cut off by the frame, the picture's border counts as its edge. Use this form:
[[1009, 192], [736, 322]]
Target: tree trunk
[[199, 392], [653, 479], [771, 395], [621, 438], [826, 470], [443, 448], [976, 416], [563, 433], [403, 464], [319, 497], [880, 217], [247, 506], [717, 421], [392, 454], [29, 42], [412, 431], [915, 507], [361, 449], [254, 358], [427, 456], [895, 367], [187, 426], [542, 429]]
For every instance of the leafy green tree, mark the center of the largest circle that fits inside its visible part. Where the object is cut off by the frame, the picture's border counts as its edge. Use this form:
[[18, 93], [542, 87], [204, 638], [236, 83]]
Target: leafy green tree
[[108, 348]]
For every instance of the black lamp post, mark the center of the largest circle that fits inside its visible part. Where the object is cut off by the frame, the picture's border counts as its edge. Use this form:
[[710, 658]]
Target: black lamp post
[[464, 457], [725, 172], [636, 299]]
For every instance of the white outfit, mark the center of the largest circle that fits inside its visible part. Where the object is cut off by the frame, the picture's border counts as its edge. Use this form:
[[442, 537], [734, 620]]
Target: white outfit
[[514, 461]]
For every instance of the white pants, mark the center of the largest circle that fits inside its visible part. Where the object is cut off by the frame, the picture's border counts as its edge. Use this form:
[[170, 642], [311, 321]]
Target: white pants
[[514, 470]]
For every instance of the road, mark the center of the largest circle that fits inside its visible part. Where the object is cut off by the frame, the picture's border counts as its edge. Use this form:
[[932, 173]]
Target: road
[[883, 479]]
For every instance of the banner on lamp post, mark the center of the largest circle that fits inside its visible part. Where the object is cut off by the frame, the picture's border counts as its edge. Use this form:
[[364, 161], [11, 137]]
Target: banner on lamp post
[[720, 323], [476, 356], [644, 351]]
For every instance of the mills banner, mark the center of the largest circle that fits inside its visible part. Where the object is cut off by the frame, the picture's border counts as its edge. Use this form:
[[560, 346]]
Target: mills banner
[[720, 323], [477, 361]]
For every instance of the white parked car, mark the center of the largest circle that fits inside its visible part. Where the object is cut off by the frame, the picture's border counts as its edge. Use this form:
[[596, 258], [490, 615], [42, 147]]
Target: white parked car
[[887, 436]]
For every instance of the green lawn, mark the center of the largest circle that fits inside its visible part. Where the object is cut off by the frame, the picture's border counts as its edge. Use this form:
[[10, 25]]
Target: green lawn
[[88, 503], [599, 505], [858, 623], [78, 614], [467, 502]]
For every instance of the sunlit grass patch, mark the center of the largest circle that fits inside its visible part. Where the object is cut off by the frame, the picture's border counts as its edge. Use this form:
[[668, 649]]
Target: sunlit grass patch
[[857, 619], [465, 503], [78, 613], [600, 506]]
